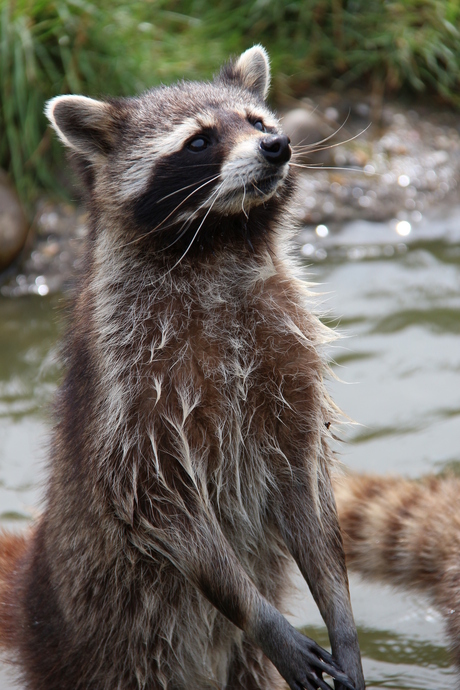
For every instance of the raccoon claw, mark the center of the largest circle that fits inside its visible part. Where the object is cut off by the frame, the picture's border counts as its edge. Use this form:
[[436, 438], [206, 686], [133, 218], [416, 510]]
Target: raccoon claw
[[341, 680], [318, 661], [325, 663], [322, 654]]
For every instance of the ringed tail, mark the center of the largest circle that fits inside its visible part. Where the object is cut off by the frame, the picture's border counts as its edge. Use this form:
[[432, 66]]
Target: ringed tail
[[407, 534]]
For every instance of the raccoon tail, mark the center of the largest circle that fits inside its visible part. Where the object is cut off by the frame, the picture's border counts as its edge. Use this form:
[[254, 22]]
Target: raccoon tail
[[406, 533], [12, 550]]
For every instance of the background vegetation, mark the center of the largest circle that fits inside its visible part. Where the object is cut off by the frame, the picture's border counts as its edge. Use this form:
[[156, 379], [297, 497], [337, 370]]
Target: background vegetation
[[118, 47]]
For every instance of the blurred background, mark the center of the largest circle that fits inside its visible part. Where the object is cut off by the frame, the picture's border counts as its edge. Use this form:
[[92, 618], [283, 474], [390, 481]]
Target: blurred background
[[370, 90]]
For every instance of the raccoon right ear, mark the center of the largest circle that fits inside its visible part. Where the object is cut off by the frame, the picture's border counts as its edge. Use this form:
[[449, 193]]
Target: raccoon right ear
[[251, 70], [83, 124]]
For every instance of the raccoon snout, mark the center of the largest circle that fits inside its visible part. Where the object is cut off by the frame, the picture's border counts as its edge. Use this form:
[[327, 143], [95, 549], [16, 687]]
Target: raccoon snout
[[275, 148]]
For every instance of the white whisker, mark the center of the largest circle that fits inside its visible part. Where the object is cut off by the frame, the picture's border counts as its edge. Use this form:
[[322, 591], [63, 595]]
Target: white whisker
[[319, 166], [177, 191], [186, 224], [315, 143], [142, 237], [216, 194], [308, 149], [244, 197], [256, 188]]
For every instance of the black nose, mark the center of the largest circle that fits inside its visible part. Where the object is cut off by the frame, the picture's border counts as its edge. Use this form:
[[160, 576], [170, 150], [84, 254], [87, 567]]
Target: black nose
[[275, 148]]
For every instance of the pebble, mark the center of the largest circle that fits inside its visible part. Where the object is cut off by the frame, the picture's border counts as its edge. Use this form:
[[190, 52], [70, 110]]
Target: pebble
[[14, 227]]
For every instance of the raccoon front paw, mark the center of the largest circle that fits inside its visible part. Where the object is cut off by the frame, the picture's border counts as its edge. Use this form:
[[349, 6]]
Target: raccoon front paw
[[300, 660], [308, 662]]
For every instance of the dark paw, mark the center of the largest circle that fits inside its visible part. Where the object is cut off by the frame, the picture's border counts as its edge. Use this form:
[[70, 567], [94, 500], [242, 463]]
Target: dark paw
[[301, 662], [309, 663]]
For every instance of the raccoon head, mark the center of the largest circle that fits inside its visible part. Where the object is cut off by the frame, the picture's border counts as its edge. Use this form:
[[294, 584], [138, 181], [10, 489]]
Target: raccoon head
[[177, 160]]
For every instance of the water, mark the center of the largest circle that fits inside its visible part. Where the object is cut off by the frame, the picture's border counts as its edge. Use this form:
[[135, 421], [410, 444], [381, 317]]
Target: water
[[397, 299]]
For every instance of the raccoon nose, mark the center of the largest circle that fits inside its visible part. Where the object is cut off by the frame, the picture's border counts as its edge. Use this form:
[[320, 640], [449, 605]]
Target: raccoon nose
[[275, 148]]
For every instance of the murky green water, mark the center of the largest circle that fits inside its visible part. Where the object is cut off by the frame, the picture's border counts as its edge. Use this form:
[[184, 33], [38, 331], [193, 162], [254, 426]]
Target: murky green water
[[397, 299]]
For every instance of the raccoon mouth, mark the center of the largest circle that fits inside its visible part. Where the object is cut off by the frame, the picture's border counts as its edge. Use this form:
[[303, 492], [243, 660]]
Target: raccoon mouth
[[251, 191], [263, 186], [257, 189]]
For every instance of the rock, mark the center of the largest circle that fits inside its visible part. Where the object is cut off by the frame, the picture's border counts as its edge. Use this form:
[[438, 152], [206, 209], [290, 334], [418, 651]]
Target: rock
[[305, 127], [13, 223]]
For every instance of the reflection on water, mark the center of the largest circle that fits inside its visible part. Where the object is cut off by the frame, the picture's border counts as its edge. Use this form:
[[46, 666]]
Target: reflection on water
[[401, 358], [28, 338], [395, 295]]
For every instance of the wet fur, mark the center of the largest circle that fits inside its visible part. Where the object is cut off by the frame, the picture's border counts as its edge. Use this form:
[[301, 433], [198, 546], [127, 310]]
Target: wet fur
[[407, 534], [189, 459]]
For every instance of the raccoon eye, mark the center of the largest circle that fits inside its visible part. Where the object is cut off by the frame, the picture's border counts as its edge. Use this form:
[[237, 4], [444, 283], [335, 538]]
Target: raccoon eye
[[197, 144], [259, 125]]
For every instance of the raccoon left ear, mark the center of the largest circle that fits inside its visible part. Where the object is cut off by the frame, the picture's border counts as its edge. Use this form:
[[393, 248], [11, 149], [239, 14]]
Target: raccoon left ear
[[83, 124], [251, 70]]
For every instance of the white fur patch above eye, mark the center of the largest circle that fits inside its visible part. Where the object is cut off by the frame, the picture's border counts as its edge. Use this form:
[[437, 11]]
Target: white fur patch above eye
[[263, 114], [173, 141]]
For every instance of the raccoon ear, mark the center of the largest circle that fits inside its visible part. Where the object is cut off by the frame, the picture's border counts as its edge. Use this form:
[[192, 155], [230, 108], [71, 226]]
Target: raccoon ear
[[251, 70], [83, 124]]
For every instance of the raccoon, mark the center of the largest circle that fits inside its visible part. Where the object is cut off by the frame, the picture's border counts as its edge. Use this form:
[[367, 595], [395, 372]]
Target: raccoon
[[189, 460], [407, 534]]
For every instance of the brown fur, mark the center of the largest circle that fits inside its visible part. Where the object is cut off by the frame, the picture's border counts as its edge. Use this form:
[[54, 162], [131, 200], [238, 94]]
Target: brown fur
[[12, 551], [190, 457], [406, 533]]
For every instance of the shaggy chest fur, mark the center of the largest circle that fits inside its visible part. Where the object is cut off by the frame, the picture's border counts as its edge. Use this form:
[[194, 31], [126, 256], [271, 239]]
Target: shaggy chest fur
[[202, 377]]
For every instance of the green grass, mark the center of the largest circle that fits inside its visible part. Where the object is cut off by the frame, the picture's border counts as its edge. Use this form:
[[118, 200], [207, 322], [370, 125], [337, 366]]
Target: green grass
[[120, 47], [47, 48]]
